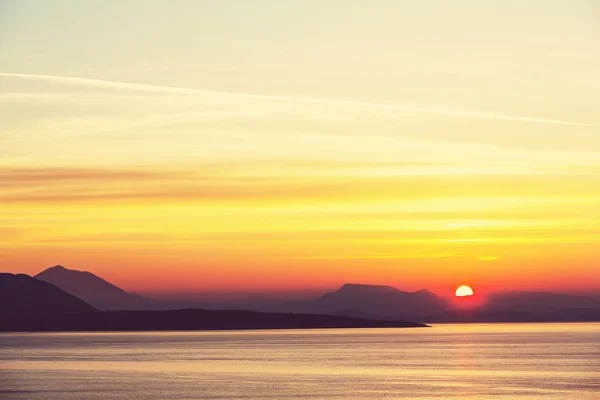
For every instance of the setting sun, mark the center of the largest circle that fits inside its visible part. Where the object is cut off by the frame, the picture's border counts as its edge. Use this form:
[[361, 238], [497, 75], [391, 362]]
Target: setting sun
[[463, 291]]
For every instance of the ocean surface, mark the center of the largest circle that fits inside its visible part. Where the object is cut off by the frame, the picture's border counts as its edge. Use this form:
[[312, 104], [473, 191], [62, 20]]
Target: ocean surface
[[478, 361]]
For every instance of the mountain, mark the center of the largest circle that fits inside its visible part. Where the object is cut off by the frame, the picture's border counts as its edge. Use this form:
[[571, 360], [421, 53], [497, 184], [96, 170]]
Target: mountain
[[194, 319], [23, 296], [538, 302], [523, 306], [373, 301], [95, 290]]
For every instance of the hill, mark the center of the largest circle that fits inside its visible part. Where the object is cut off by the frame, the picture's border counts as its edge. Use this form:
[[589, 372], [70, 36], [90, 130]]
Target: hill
[[24, 296], [525, 306], [539, 302], [374, 301], [94, 290]]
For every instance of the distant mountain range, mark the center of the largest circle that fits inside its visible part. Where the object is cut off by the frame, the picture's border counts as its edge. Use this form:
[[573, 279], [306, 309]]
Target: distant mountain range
[[31, 304], [524, 306], [350, 300], [385, 302], [538, 302]]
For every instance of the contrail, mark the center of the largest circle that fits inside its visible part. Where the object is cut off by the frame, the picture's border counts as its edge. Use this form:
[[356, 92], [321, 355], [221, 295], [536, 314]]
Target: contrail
[[187, 91]]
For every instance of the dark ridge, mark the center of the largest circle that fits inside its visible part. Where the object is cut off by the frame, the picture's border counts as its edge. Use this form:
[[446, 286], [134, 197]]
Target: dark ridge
[[192, 319]]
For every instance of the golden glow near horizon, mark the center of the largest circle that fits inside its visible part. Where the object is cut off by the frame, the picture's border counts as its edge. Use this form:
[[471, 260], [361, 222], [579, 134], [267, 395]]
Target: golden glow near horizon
[[287, 146]]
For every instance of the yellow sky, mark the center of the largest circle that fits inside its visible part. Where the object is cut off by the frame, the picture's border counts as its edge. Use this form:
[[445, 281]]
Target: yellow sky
[[237, 148]]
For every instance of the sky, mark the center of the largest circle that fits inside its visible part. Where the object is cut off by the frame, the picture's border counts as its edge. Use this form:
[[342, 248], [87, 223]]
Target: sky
[[287, 146]]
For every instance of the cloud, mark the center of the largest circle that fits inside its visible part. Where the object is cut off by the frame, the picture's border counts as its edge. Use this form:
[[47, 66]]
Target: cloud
[[24, 176], [235, 170], [108, 84], [387, 256], [262, 182]]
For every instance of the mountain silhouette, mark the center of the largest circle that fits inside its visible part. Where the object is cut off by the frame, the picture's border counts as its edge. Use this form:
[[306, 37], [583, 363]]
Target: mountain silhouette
[[374, 301], [523, 306], [30, 304], [350, 300], [386, 302], [24, 296], [95, 290], [538, 302]]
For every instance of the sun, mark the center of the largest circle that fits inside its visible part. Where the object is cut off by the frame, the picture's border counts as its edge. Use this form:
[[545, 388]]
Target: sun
[[463, 291]]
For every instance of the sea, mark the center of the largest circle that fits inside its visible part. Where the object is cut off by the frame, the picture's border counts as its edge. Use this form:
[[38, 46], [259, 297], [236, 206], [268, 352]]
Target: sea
[[445, 361]]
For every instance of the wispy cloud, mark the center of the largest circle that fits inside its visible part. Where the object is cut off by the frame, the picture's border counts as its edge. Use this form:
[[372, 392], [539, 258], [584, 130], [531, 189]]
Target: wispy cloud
[[258, 182], [108, 84], [388, 256], [38, 175]]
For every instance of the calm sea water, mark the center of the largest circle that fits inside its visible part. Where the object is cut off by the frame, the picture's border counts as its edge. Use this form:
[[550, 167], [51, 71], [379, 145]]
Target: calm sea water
[[487, 361]]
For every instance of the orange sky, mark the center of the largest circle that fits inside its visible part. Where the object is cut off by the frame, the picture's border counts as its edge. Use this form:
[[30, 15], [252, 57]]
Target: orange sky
[[248, 228], [381, 148]]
